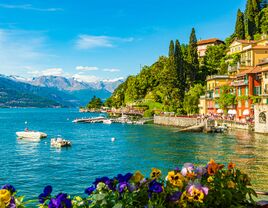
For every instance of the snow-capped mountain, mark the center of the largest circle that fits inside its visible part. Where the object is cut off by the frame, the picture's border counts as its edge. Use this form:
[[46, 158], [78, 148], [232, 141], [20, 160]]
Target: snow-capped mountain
[[73, 84], [52, 91]]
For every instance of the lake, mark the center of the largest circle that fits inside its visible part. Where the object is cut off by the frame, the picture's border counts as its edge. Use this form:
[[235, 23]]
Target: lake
[[30, 166]]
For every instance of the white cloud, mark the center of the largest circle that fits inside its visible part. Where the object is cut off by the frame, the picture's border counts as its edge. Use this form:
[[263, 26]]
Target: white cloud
[[87, 68], [90, 41], [86, 78], [111, 70], [29, 7], [48, 72]]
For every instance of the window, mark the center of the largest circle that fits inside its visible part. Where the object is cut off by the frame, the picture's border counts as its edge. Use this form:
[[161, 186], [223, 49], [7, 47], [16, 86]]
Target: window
[[246, 90], [246, 103], [262, 118], [239, 104], [257, 90], [266, 75], [239, 91]]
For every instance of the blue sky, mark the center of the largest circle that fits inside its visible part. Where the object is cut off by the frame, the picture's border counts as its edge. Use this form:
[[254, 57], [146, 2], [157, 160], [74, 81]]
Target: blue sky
[[102, 39]]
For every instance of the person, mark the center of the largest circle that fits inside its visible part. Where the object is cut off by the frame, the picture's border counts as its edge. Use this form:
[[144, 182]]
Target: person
[[26, 129]]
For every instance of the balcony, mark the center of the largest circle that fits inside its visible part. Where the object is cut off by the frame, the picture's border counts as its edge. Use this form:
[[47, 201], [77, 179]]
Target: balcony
[[239, 82], [216, 95]]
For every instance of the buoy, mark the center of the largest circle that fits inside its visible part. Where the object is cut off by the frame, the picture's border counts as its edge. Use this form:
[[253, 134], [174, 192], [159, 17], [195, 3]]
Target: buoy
[[113, 139], [25, 122]]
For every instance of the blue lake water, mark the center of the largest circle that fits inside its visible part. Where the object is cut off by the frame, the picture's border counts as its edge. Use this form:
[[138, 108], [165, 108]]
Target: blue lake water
[[30, 166]]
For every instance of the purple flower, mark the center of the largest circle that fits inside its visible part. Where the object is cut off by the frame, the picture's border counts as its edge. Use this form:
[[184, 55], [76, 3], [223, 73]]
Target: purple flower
[[45, 195], [175, 196], [61, 201], [200, 171], [103, 180], [12, 203], [89, 190], [155, 187], [9, 187], [124, 178], [122, 186]]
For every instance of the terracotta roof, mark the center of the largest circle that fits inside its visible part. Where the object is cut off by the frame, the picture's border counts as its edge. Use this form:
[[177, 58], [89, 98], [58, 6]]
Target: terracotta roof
[[211, 40], [251, 70]]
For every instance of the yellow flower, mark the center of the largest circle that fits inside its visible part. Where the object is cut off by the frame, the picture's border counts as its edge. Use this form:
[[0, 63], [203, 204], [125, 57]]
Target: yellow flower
[[210, 179], [175, 178], [137, 177], [5, 196], [213, 167], [230, 184], [196, 196], [156, 173]]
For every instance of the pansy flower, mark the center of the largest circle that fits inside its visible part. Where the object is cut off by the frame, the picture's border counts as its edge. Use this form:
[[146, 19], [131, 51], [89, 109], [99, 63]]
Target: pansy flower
[[156, 173], [175, 178], [196, 192], [155, 187], [45, 195], [137, 177], [213, 168]]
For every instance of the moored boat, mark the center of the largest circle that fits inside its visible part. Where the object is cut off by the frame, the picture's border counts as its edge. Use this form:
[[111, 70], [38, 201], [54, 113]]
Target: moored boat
[[107, 121], [31, 134], [59, 143]]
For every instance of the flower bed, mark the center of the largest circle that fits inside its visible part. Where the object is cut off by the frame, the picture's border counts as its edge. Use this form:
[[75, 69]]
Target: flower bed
[[192, 186]]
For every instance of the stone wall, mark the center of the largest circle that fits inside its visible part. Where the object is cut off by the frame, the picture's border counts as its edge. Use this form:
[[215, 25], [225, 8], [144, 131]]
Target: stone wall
[[233, 124], [175, 121], [261, 118]]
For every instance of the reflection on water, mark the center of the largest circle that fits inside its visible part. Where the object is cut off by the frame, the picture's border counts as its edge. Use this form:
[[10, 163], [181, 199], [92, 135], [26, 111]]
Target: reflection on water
[[32, 165]]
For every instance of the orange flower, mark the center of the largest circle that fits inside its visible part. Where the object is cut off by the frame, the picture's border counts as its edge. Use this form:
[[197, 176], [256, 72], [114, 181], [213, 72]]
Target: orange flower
[[231, 166], [213, 167]]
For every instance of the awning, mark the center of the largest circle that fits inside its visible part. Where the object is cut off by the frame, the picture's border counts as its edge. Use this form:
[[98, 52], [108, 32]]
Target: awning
[[232, 112], [246, 112], [219, 111]]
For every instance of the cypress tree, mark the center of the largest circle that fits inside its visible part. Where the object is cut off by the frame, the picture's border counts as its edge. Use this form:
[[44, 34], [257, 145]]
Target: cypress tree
[[171, 49], [239, 26], [178, 58], [192, 58], [251, 18]]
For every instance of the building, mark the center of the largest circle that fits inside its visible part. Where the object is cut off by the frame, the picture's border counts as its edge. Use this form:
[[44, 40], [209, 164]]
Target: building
[[247, 84], [207, 102], [202, 45], [237, 46]]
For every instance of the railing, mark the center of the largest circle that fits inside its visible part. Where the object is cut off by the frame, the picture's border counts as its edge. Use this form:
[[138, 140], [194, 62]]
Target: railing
[[239, 82]]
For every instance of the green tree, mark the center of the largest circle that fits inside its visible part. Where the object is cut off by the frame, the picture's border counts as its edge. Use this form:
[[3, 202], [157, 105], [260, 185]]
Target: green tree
[[95, 103], [214, 60], [251, 17], [191, 99], [264, 20], [192, 58], [226, 98], [239, 26], [180, 72], [171, 49]]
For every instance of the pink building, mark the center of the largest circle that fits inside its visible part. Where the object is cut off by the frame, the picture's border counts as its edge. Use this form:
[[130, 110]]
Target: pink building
[[203, 44]]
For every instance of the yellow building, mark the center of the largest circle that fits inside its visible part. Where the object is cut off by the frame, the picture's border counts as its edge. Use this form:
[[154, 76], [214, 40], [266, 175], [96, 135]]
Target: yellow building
[[207, 102], [238, 45], [252, 55]]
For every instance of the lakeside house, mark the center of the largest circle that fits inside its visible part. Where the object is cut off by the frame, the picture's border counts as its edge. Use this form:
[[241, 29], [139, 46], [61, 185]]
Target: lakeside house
[[248, 79], [202, 45]]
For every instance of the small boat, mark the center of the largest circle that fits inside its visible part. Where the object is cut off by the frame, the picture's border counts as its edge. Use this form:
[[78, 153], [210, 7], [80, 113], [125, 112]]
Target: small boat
[[31, 134], [107, 121], [59, 143]]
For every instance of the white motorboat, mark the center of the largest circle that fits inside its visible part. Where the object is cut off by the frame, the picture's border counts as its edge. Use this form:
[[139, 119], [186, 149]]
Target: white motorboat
[[107, 121], [59, 142], [31, 134]]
